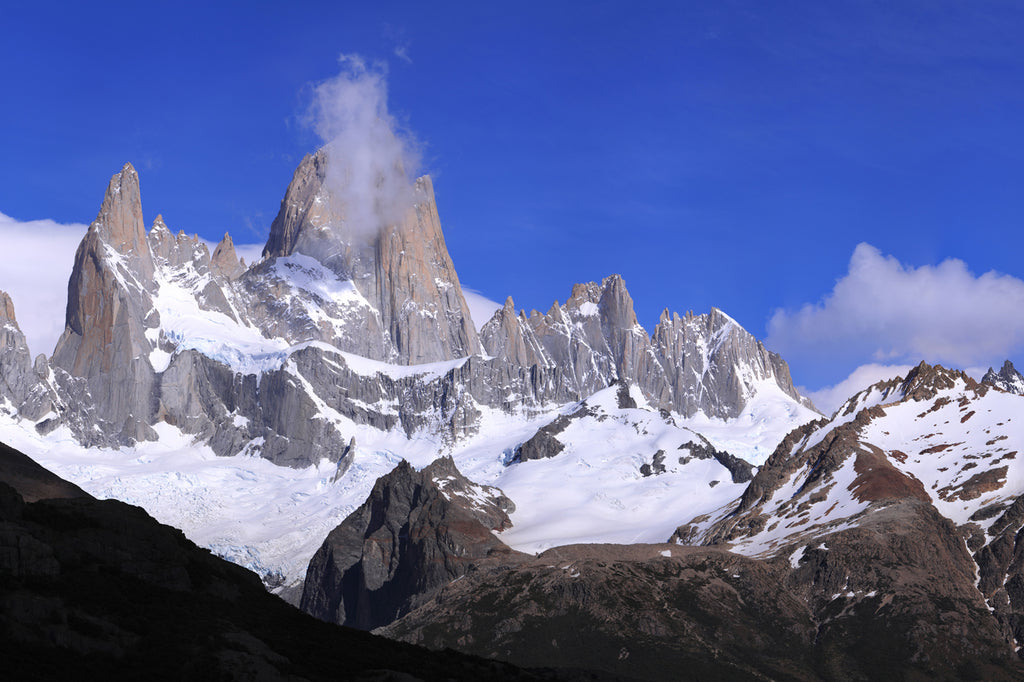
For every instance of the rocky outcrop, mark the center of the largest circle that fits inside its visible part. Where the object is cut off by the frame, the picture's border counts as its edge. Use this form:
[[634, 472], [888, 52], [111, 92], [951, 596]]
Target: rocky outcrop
[[740, 470], [1007, 379], [224, 262], [22, 390], [417, 532], [509, 337], [545, 444]]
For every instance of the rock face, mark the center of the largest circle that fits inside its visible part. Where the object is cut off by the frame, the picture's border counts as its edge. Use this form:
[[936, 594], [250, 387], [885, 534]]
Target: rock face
[[224, 261], [403, 271], [417, 532], [110, 309], [1007, 379], [74, 572]]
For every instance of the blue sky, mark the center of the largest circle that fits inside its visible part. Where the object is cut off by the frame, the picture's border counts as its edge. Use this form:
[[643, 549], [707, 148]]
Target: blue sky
[[729, 154]]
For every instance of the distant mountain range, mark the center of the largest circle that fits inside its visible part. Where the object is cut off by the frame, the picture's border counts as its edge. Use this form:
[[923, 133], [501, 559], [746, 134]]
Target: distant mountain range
[[259, 406]]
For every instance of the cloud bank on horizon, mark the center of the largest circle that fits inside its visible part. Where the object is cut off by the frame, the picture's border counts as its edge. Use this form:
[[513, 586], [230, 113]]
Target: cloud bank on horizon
[[37, 259], [883, 317]]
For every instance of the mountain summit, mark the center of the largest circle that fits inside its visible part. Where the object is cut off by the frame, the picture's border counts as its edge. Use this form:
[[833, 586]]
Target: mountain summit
[[402, 271]]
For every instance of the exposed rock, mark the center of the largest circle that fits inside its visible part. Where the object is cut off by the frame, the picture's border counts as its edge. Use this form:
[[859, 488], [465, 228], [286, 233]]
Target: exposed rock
[[740, 470], [21, 388], [403, 271], [224, 262], [545, 444], [110, 307], [893, 598], [656, 466], [1007, 379], [417, 532], [508, 336]]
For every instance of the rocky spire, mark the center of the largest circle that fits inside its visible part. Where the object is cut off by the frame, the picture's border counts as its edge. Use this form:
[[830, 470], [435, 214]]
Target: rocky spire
[[507, 336], [109, 309], [119, 223], [20, 386], [404, 271], [224, 261]]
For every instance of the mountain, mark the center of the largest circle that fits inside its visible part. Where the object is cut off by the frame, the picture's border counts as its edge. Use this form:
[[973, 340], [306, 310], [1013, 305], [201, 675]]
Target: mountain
[[1007, 379], [418, 531], [879, 543], [344, 350], [97, 589]]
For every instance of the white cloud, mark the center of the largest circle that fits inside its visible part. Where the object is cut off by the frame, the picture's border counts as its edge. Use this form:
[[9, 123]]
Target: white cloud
[[370, 156], [481, 308], [829, 399], [885, 311], [37, 259], [402, 52]]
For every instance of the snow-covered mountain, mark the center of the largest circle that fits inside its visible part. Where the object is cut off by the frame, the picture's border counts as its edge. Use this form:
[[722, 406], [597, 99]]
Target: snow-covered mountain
[[882, 542], [254, 405]]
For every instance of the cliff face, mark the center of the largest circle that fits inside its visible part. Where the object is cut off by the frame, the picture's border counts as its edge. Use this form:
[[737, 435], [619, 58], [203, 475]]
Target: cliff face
[[110, 309]]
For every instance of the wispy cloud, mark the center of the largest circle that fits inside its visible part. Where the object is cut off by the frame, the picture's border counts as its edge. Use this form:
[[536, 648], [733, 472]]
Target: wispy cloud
[[402, 52], [885, 311], [481, 308], [370, 156]]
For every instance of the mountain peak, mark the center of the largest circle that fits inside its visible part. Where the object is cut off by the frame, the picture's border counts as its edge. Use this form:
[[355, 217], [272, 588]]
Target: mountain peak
[[7, 308], [401, 268], [1007, 379], [119, 221], [924, 381], [225, 261]]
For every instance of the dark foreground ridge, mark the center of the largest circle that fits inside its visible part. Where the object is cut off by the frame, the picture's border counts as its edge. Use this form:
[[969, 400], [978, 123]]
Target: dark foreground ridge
[[97, 589], [891, 596]]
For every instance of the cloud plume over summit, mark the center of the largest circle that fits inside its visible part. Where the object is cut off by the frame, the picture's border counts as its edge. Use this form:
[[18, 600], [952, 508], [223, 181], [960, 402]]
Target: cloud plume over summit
[[371, 157]]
